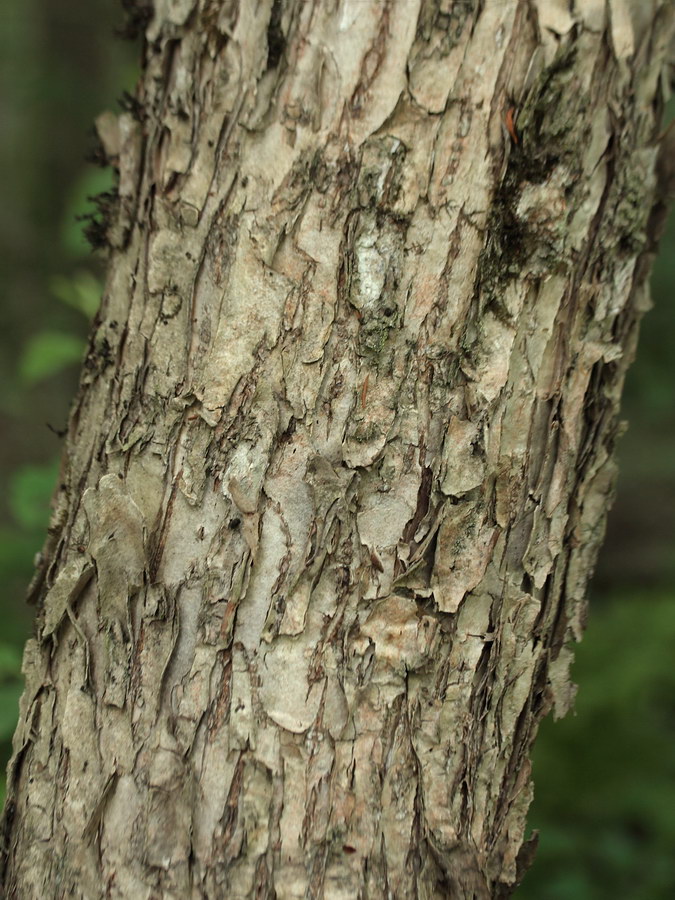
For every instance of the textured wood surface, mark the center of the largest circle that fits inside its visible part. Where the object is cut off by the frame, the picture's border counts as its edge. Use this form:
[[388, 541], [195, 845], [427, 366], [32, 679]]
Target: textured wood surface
[[339, 465]]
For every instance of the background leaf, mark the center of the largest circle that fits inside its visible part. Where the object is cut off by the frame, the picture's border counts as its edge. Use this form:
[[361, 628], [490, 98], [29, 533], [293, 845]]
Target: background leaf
[[31, 489], [82, 291], [47, 353]]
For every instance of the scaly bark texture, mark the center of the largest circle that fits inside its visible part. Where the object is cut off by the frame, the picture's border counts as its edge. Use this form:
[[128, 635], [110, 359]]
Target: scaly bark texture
[[338, 469]]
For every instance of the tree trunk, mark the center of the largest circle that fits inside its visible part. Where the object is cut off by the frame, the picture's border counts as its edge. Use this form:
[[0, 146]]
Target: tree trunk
[[337, 473]]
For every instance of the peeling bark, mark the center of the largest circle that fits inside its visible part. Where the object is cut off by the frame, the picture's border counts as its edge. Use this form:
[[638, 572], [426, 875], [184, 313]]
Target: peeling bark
[[338, 469]]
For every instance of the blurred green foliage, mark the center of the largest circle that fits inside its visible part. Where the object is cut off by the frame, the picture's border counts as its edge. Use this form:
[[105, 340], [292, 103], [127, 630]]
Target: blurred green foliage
[[30, 489], [60, 66], [82, 291], [47, 353], [605, 776], [650, 388]]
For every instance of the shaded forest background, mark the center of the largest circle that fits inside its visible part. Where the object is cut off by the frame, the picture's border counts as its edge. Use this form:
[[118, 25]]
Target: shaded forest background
[[605, 777]]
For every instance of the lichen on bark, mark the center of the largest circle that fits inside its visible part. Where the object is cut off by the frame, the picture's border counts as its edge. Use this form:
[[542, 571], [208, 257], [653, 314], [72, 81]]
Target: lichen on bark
[[339, 464]]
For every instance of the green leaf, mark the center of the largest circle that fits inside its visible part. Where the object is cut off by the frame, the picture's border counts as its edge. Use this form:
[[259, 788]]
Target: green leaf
[[17, 551], [82, 291], [10, 661], [47, 353], [30, 492]]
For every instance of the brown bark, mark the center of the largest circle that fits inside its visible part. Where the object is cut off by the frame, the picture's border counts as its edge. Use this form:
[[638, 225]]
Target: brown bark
[[338, 469]]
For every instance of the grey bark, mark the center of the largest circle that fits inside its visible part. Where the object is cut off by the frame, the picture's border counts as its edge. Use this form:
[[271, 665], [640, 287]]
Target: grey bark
[[338, 469]]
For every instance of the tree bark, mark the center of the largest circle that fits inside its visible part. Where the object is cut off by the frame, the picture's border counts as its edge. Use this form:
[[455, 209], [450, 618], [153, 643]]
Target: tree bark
[[338, 469]]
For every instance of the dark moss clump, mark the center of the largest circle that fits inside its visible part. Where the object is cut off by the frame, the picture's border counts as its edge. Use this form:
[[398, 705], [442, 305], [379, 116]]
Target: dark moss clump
[[137, 15], [100, 352], [548, 136], [548, 122], [95, 153], [128, 103], [505, 250], [99, 222]]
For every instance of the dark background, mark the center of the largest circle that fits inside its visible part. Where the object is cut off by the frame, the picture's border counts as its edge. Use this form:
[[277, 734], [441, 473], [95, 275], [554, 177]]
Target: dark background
[[604, 777]]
